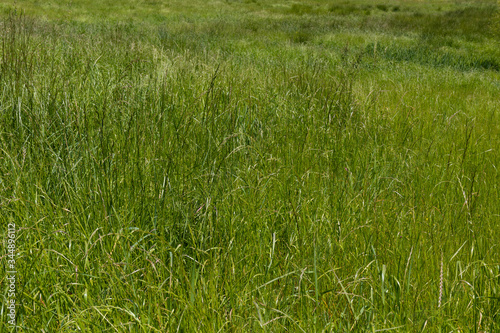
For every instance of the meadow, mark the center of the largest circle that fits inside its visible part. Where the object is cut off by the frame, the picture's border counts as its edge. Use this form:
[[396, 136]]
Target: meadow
[[251, 166]]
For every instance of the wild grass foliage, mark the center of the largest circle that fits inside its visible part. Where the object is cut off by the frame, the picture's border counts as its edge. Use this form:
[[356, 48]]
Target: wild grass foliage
[[207, 176]]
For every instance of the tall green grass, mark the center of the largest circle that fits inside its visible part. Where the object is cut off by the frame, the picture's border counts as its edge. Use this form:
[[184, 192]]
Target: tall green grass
[[210, 174]]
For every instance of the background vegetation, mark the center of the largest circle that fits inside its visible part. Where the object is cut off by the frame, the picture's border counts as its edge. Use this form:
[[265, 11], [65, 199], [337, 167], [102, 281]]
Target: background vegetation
[[246, 166]]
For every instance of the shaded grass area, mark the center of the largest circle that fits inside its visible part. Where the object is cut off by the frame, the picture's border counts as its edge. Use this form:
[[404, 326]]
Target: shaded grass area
[[190, 176]]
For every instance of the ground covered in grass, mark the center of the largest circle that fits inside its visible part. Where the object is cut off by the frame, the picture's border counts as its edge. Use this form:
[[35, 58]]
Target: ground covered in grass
[[246, 166]]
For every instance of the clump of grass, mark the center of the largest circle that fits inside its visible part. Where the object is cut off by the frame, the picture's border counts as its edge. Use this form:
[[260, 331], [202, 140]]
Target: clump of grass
[[301, 9], [465, 22], [300, 37], [428, 55], [346, 9], [382, 7]]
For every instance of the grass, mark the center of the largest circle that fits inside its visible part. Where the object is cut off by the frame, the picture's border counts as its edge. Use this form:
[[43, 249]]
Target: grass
[[242, 166]]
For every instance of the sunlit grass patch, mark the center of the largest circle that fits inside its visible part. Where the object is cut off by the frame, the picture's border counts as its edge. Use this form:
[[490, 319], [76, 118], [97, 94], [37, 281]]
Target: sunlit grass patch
[[251, 165]]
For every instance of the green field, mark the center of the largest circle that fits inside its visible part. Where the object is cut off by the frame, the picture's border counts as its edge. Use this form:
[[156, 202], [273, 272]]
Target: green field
[[250, 165]]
